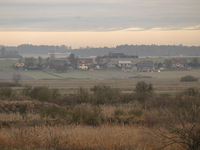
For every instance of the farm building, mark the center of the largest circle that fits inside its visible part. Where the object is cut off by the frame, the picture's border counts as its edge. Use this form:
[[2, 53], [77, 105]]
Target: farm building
[[145, 66], [48, 65], [58, 65]]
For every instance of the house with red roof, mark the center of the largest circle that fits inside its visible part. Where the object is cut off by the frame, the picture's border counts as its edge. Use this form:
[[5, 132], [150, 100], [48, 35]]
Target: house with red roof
[[84, 64], [176, 63]]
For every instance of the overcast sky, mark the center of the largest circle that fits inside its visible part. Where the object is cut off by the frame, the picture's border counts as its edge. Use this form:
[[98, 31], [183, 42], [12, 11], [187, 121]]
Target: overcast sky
[[105, 17]]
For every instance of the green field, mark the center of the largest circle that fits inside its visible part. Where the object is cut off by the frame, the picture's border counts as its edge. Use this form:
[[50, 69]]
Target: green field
[[73, 74], [39, 75], [7, 64]]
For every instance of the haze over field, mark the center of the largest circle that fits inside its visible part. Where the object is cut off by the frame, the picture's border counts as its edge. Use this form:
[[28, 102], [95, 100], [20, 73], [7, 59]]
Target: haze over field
[[99, 23]]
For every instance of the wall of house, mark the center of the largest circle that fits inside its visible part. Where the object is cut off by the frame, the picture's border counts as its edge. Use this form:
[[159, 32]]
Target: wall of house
[[177, 65], [110, 65], [83, 66], [145, 68], [125, 65]]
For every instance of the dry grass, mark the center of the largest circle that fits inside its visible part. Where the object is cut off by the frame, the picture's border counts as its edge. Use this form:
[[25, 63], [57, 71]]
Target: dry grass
[[166, 81], [15, 106], [108, 110], [17, 117], [78, 137]]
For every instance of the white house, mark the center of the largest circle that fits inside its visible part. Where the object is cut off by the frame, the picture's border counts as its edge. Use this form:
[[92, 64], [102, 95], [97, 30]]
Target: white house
[[124, 64]]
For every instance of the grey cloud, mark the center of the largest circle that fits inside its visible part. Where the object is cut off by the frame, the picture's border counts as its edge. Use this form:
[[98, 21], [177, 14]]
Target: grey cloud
[[80, 15]]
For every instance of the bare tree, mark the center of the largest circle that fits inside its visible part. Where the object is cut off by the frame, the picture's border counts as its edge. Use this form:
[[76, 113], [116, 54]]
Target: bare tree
[[182, 123], [16, 78]]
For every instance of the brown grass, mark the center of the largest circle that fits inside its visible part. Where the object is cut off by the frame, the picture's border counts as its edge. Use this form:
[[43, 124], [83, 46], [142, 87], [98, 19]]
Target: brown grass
[[78, 137]]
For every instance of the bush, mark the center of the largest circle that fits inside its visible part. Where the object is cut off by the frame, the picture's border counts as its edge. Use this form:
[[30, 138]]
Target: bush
[[42, 93], [144, 88], [6, 92], [83, 95], [191, 92], [103, 94], [183, 125], [119, 112], [26, 90], [143, 91], [127, 97], [53, 112], [23, 111], [136, 112], [189, 78], [86, 114], [17, 78], [70, 99]]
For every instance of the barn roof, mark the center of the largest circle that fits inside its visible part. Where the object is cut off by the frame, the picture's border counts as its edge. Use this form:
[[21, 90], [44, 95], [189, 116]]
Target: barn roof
[[145, 64]]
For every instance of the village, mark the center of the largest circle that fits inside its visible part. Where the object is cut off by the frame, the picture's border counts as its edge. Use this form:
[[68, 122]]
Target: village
[[115, 60]]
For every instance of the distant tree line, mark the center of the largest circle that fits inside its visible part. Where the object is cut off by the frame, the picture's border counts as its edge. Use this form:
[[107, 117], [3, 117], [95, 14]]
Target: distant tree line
[[139, 50], [41, 49], [9, 54]]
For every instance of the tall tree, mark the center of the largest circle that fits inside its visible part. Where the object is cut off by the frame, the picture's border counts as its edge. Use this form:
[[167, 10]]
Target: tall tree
[[99, 60], [195, 61], [40, 60], [3, 52], [72, 59]]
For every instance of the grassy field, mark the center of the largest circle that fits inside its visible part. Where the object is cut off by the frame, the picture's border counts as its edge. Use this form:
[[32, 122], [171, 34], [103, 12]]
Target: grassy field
[[73, 74], [39, 75], [168, 81], [7, 65], [171, 74]]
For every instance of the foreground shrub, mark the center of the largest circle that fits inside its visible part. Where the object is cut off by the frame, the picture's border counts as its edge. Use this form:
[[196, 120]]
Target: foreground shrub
[[126, 97], [26, 90], [119, 112], [53, 112], [143, 91], [144, 88], [136, 112], [182, 123], [189, 78], [86, 114], [6, 92], [70, 99], [83, 95], [103, 94], [42, 93], [191, 92]]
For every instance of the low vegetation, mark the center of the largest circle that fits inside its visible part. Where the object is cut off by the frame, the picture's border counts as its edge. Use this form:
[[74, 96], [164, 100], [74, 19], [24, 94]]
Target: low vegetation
[[189, 78], [101, 117]]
